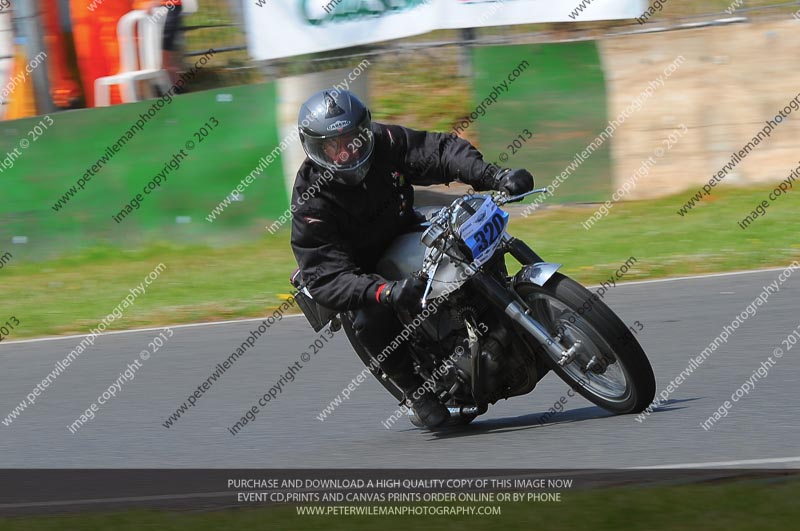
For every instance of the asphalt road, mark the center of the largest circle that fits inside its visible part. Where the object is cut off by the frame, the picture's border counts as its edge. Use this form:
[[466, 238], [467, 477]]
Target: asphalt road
[[680, 318]]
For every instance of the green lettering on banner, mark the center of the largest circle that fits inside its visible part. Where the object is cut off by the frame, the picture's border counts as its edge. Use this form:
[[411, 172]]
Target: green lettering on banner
[[349, 10]]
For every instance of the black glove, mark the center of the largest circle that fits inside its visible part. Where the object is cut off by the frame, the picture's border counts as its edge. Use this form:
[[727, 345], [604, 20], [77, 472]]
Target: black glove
[[513, 182], [402, 295]]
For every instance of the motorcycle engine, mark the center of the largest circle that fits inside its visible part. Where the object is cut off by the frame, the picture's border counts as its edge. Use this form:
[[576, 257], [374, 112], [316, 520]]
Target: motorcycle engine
[[501, 372]]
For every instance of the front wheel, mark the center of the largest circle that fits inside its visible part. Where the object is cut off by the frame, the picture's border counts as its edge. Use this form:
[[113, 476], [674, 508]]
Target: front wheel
[[605, 362]]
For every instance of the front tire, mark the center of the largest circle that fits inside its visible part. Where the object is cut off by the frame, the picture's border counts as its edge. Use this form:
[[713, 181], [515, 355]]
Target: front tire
[[620, 379]]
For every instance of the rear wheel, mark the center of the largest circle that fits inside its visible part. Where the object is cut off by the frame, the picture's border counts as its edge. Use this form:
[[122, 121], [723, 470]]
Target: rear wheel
[[459, 417], [368, 360], [605, 362]]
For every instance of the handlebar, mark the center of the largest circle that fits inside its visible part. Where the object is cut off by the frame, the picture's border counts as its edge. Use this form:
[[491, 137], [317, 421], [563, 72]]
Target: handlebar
[[514, 199]]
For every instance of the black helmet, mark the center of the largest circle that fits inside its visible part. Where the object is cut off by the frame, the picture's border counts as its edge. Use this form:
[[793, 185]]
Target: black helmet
[[335, 133]]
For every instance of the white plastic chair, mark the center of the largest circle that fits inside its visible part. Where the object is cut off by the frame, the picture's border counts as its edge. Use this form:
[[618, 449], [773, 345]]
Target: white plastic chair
[[189, 7], [137, 63], [7, 53]]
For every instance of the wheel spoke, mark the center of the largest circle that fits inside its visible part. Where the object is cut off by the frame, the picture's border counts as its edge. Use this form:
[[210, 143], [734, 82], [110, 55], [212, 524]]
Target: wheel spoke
[[587, 348]]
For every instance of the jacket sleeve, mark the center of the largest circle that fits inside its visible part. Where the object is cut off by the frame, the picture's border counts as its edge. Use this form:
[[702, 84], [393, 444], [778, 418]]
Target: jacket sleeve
[[326, 263], [439, 158]]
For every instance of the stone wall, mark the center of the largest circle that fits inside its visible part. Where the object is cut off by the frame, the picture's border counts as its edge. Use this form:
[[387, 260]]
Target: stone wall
[[732, 80]]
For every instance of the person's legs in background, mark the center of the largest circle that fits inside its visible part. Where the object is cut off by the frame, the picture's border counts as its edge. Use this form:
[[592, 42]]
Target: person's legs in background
[[171, 58]]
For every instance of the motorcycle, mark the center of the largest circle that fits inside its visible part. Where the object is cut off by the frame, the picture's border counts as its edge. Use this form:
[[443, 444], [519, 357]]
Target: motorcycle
[[484, 335]]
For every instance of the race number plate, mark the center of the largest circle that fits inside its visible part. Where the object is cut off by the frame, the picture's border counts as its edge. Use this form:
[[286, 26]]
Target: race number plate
[[483, 230]]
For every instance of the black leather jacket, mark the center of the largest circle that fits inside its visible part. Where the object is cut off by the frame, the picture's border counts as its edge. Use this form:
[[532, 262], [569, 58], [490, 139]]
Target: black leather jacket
[[339, 233]]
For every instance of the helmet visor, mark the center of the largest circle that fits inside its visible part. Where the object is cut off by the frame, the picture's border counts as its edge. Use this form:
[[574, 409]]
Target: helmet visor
[[342, 151]]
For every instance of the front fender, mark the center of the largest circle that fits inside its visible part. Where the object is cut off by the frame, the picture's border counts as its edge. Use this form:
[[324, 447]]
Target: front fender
[[538, 273]]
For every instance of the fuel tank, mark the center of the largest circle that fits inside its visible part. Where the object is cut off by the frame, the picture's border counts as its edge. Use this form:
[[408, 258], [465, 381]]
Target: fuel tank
[[403, 257]]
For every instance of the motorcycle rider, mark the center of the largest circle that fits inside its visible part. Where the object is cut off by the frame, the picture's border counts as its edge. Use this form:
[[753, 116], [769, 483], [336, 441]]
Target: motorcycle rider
[[352, 196]]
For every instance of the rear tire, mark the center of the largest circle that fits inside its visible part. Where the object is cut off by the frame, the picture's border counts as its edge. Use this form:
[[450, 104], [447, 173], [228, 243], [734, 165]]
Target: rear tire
[[387, 383], [368, 360], [560, 306]]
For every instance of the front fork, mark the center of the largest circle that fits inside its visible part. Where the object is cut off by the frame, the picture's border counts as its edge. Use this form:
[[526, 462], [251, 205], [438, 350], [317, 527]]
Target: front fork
[[499, 295], [520, 251]]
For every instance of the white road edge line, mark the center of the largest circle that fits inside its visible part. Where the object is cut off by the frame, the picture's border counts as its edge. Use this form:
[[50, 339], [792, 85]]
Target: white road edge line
[[190, 325], [694, 277], [90, 501], [710, 464], [214, 323]]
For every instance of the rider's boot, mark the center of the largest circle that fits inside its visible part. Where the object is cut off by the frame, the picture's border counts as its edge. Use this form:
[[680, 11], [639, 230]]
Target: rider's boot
[[429, 410]]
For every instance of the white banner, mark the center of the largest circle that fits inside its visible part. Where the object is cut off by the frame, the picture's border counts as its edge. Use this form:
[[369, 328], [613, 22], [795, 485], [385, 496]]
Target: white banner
[[283, 28]]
